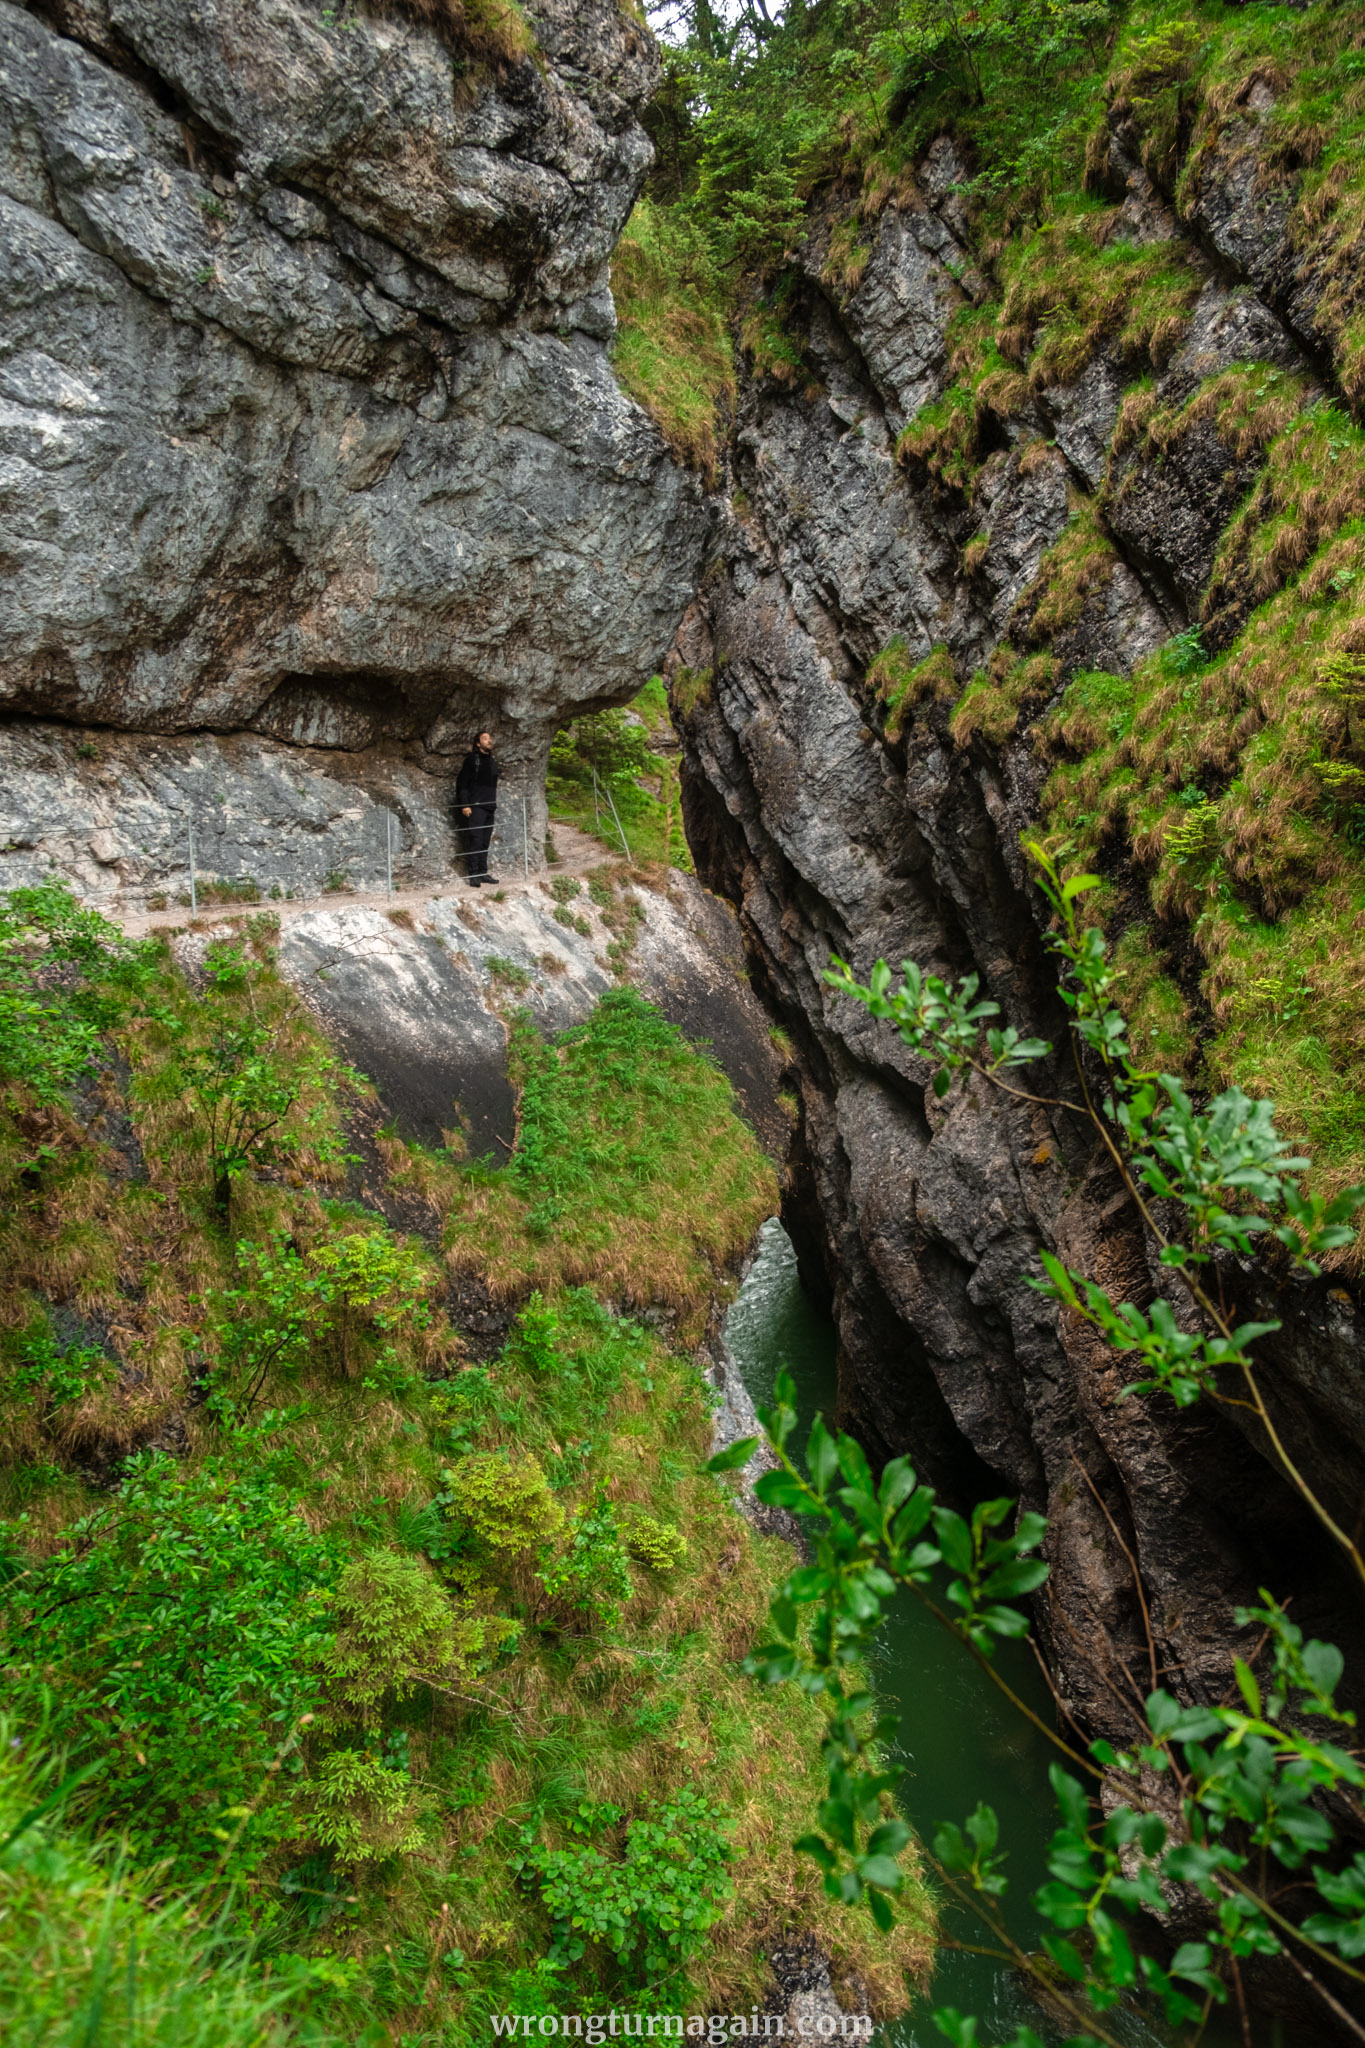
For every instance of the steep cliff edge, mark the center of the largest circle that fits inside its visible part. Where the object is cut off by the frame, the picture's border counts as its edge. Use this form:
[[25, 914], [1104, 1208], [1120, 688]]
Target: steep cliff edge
[[309, 428], [1056, 536]]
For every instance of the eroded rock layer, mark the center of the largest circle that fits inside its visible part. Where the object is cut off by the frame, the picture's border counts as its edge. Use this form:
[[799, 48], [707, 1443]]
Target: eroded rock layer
[[862, 685]]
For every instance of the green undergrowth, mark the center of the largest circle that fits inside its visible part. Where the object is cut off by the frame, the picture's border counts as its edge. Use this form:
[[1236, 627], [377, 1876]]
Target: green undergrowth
[[363, 1669], [614, 775], [902, 685], [632, 1174], [96, 1956]]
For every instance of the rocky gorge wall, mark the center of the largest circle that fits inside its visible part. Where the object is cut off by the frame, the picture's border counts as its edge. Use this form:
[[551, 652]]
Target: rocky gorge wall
[[307, 428], [954, 524]]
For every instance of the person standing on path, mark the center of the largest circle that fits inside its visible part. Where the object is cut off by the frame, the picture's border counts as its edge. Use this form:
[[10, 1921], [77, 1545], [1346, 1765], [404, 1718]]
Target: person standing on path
[[476, 804]]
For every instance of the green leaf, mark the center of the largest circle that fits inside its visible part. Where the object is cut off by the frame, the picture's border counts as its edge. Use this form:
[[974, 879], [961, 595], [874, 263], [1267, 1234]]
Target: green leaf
[[1324, 1665], [822, 1456], [1011, 1581], [1163, 1712], [956, 2027], [784, 1490], [1247, 1686], [897, 1484], [1071, 1799], [819, 1849], [853, 1464], [983, 1825], [881, 1910], [733, 1456], [954, 1539]]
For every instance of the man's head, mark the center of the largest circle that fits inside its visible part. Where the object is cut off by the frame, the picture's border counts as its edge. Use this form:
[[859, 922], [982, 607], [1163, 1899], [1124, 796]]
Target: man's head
[[485, 741]]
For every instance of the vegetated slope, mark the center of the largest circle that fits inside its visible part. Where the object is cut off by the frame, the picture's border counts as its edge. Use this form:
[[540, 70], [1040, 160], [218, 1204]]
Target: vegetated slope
[[409, 1661], [1041, 517]]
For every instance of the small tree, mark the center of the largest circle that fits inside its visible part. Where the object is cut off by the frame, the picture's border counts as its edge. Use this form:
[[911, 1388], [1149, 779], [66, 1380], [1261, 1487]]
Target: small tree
[[243, 1093], [262, 1085]]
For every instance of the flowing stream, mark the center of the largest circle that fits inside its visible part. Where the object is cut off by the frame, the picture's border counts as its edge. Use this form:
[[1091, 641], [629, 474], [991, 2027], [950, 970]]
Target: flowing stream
[[960, 1740]]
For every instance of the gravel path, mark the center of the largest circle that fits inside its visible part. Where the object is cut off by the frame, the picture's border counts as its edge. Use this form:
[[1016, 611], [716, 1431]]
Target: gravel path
[[579, 853]]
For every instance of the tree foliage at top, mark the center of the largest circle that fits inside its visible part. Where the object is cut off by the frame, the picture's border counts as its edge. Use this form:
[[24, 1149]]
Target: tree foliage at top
[[758, 111]]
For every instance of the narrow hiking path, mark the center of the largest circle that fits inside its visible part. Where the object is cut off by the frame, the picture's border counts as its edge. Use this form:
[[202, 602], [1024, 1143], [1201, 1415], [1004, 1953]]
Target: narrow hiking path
[[579, 854]]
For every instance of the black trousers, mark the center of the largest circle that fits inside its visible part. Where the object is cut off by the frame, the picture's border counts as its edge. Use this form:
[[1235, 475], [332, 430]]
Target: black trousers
[[475, 833]]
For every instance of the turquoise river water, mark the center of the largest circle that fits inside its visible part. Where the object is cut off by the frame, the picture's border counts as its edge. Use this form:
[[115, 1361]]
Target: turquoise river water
[[960, 1740]]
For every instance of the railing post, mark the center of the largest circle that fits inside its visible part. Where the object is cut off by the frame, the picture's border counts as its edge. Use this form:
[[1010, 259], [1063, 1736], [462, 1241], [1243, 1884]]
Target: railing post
[[612, 801]]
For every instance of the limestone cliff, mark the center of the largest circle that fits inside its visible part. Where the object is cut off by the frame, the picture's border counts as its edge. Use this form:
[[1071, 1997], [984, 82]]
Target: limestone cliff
[[927, 539], [309, 431]]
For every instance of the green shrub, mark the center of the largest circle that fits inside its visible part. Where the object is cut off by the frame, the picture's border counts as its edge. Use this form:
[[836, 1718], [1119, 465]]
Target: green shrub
[[651, 1908], [396, 1628], [659, 1546], [179, 1630], [1194, 840], [359, 1808], [593, 1573], [66, 976], [374, 1279], [40, 1372], [507, 1503]]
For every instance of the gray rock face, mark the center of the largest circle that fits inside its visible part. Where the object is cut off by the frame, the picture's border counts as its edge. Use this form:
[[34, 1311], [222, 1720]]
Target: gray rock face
[[306, 422], [835, 832], [113, 813]]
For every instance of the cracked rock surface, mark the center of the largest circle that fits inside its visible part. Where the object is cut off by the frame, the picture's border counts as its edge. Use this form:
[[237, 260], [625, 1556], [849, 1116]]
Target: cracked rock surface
[[307, 426], [837, 832]]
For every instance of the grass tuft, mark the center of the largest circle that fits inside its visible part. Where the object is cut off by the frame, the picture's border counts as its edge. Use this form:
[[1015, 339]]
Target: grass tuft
[[672, 350]]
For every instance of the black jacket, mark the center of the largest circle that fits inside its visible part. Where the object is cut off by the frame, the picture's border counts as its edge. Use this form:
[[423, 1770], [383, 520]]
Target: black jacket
[[477, 781]]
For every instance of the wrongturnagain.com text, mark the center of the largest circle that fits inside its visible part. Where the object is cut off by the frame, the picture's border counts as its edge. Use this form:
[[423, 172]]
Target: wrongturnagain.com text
[[713, 2028]]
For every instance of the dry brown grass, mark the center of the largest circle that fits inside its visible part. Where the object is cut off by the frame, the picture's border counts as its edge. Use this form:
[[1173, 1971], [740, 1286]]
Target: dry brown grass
[[1313, 485], [1071, 290], [975, 552], [998, 695]]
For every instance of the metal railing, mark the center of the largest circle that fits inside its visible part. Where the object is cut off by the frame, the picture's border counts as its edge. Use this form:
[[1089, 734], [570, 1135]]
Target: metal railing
[[510, 842]]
